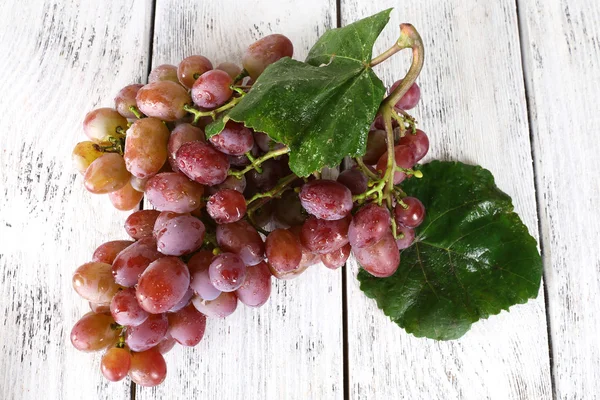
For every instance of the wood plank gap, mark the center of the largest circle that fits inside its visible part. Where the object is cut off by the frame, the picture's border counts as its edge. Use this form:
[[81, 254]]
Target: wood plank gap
[[538, 200]]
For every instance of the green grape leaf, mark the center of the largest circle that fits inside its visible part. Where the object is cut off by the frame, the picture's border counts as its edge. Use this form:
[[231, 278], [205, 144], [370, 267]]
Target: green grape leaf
[[472, 257], [321, 109], [216, 126]]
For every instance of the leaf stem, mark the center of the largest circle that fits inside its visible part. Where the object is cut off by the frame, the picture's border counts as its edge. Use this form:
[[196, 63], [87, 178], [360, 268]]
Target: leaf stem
[[386, 54], [258, 161]]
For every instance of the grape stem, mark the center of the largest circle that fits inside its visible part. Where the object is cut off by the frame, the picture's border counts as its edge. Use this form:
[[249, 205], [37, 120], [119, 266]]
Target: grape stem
[[213, 113], [240, 76], [277, 190], [258, 161], [138, 114], [370, 174], [253, 161]]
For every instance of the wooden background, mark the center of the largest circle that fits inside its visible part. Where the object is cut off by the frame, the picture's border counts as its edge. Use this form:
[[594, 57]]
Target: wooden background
[[512, 85]]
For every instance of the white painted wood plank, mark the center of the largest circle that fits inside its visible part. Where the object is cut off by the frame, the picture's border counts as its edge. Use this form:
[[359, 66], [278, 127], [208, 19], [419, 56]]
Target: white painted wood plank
[[473, 108], [561, 47], [59, 60], [291, 348]]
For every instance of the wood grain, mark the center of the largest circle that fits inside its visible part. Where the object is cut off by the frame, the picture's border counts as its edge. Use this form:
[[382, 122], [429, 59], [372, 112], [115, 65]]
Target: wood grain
[[473, 108], [561, 47], [291, 348], [60, 59]]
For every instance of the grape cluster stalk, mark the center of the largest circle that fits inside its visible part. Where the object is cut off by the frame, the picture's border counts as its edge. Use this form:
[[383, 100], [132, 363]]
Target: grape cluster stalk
[[229, 214]]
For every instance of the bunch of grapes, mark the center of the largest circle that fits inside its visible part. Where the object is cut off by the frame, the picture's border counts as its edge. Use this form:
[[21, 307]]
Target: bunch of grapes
[[228, 212]]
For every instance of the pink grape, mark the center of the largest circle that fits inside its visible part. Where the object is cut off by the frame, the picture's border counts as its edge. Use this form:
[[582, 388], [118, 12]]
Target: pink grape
[[419, 142], [171, 191], [376, 146], [106, 174], [405, 158], [227, 272], [289, 210], [140, 224], [200, 280], [231, 182], [328, 200], [162, 284], [166, 345], [101, 124], [212, 89], [264, 52], [138, 184], [163, 72], [308, 258], [242, 239], [221, 307], [369, 225], [115, 364], [413, 215], [107, 252], [336, 258], [185, 300], [183, 133], [187, 326], [381, 259], [126, 310], [126, 98], [179, 235], [410, 99], [163, 100], [94, 282], [191, 68], [99, 308], [93, 332], [232, 69], [321, 236], [257, 286], [226, 206], [265, 143], [354, 180], [148, 368], [406, 237], [126, 198], [132, 261], [148, 334], [146, 147], [202, 163], [284, 250], [235, 139]]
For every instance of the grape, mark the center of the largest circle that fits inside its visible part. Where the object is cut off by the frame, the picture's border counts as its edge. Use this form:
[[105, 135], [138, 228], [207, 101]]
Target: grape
[[162, 284], [232, 69], [148, 334], [185, 300], [212, 89], [146, 147], [321, 236], [272, 171], [289, 210], [181, 234], [106, 174], [369, 225], [148, 368], [94, 282], [406, 237], [308, 258], [182, 133], [264, 52], [381, 259], [126, 98], [263, 215], [163, 100], [231, 182], [200, 280], [242, 239], [405, 158], [126, 310], [101, 124], [328, 200], [99, 308], [107, 252], [202, 163], [379, 124], [140, 224], [265, 143], [227, 272], [115, 364], [191, 68], [336, 258], [257, 287], [226, 206], [93, 332], [126, 198], [410, 98], [171, 191], [376, 146], [354, 180], [412, 216], [132, 261], [221, 307], [283, 250], [163, 72], [419, 143], [235, 139], [187, 326], [84, 154], [166, 345], [138, 184]]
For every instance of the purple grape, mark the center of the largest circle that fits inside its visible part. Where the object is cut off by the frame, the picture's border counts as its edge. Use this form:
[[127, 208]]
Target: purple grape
[[381, 259], [231, 182], [413, 215], [185, 300], [328, 200], [376, 146], [226, 206], [405, 158], [265, 143], [406, 237], [187, 326], [257, 286], [242, 239], [419, 142], [178, 234], [336, 258], [212, 89], [183, 133], [410, 99], [284, 251], [202, 163], [171, 191], [221, 307], [320, 236], [235, 139], [368, 225], [200, 280], [140, 224], [126, 310], [227, 272], [132, 261], [354, 180], [148, 334], [162, 285]]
